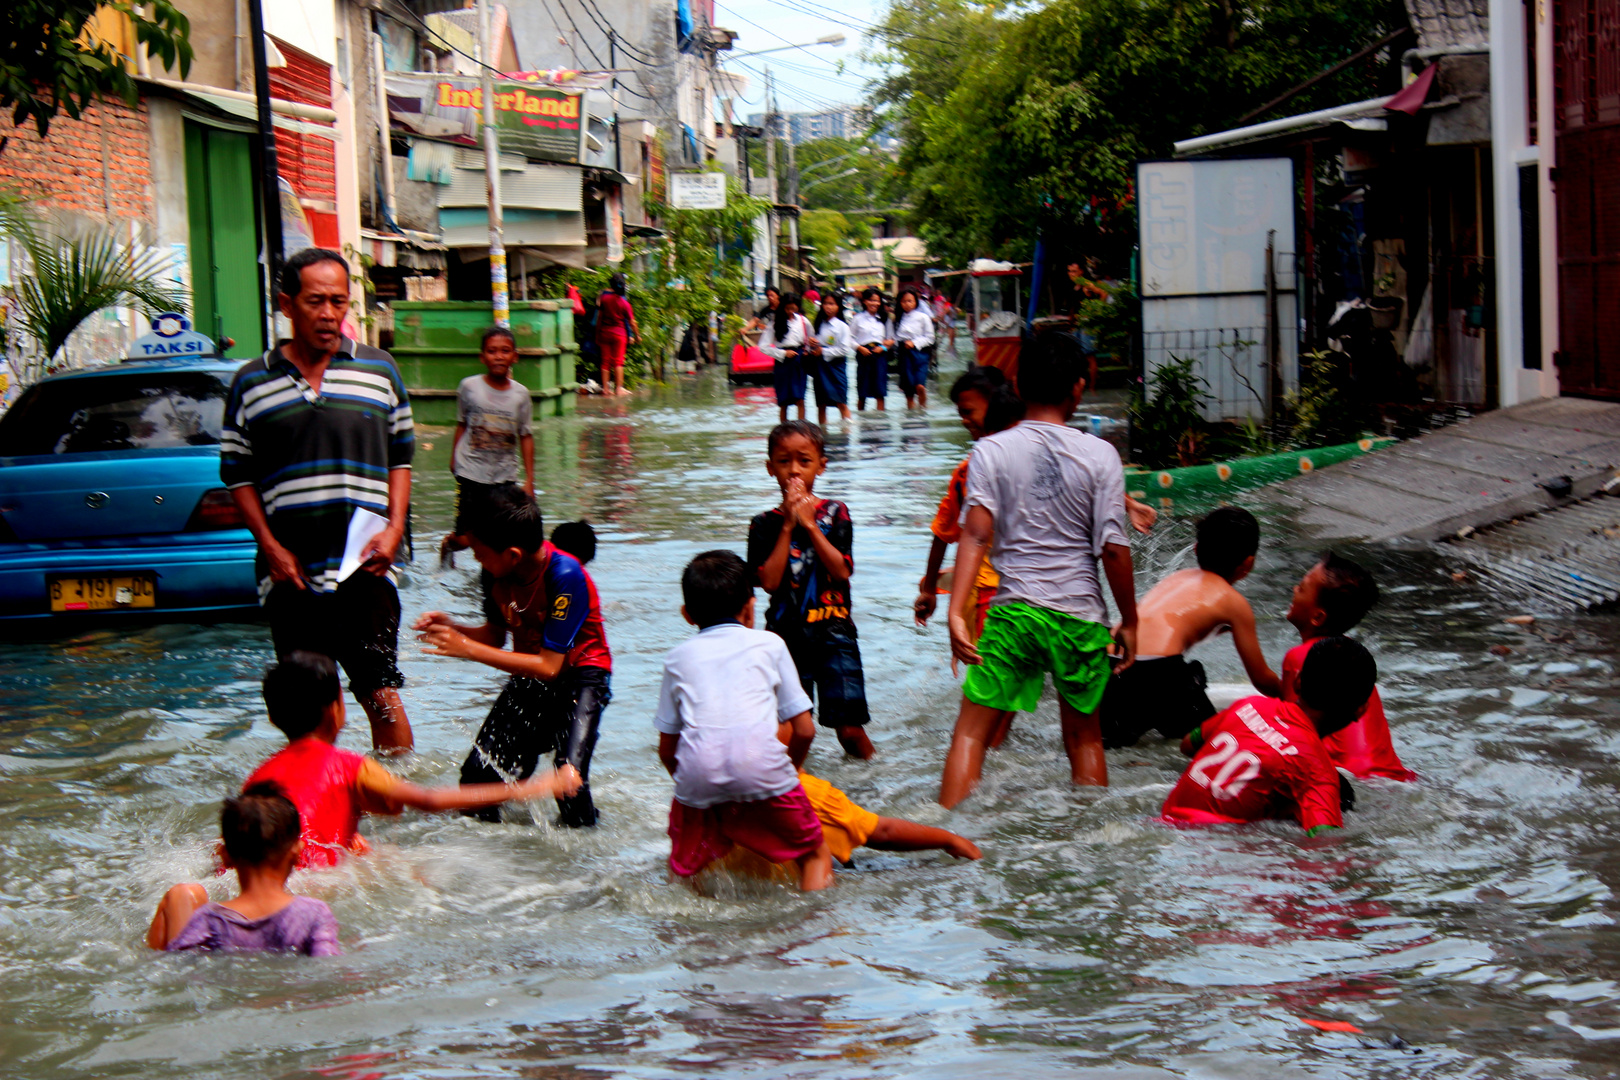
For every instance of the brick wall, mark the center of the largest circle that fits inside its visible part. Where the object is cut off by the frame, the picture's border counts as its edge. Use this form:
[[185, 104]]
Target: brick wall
[[96, 166]]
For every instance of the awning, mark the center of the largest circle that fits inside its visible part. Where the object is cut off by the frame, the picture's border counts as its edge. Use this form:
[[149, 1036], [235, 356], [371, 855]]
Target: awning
[[469, 228], [247, 110], [523, 186], [1365, 115]]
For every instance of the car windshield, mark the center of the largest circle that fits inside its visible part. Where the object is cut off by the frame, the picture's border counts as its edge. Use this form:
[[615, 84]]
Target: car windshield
[[148, 410]]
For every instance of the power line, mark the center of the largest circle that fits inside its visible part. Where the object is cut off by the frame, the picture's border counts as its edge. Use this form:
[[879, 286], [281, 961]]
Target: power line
[[773, 33], [832, 15], [564, 38], [839, 18], [582, 38], [605, 25], [440, 39], [803, 98]]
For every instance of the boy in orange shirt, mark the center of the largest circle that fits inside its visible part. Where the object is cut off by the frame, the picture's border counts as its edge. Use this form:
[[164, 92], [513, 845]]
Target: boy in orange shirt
[[331, 788], [986, 405]]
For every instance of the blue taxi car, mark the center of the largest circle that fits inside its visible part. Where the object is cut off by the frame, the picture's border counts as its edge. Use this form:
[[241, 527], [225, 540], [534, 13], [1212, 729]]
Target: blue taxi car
[[110, 497]]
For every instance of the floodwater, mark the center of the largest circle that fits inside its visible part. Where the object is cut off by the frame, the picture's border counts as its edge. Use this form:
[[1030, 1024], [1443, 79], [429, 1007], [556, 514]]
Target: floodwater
[[1465, 923]]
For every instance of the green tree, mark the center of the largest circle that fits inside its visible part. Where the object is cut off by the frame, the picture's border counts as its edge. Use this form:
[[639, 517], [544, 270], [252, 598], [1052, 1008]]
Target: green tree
[[50, 62], [828, 232], [694, 270], [1011, 122]]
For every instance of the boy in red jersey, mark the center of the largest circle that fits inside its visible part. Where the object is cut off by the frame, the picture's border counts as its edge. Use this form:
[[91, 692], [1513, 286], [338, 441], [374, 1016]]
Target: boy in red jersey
[[1331, 598], [331, 788], [559, 663], [1264, 758]]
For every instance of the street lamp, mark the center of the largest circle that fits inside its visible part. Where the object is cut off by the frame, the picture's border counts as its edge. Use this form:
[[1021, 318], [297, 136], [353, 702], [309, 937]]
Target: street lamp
[[834, 40]]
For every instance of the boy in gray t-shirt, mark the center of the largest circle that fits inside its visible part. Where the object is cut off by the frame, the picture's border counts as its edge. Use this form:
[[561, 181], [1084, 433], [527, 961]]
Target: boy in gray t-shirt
[[1053, 498], [493, 413]]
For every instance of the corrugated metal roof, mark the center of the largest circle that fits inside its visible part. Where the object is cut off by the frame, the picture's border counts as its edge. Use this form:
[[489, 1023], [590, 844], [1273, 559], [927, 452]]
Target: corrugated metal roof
[[1568, 559], [1442, 23]]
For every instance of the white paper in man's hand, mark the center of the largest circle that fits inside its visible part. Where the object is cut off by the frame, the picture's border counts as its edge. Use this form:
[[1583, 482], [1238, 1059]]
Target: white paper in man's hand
[[362, 527]]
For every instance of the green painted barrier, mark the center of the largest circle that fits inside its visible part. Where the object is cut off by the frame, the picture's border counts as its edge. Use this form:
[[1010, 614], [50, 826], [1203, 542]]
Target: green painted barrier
[[436, 346], [1202, 483]]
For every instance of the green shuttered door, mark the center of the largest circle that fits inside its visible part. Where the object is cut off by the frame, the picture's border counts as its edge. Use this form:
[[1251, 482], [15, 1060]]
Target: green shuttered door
[[225, 277]]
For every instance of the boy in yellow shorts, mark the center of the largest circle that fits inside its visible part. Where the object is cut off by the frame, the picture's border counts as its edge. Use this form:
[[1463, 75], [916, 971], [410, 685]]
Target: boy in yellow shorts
[[845, 826]]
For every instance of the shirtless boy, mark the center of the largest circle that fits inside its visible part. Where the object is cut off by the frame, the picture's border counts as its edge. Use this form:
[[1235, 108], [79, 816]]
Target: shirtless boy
[[1164, 690]]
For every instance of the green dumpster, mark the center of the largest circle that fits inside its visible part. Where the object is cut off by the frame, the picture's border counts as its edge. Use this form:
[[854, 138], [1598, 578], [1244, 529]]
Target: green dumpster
[[436, 346]]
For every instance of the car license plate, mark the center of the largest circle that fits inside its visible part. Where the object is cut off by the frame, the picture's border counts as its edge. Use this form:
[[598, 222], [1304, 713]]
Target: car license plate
[[102, 592]]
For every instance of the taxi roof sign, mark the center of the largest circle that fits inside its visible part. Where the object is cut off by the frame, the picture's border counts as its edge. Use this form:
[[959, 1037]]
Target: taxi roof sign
[[171, 337]]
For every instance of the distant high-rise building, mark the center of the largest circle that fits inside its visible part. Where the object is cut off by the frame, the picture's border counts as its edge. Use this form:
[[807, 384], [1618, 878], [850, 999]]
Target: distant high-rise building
[[803, 126]]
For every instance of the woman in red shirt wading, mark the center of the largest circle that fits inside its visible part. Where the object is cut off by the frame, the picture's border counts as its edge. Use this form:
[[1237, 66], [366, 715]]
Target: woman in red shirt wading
[[615, 329]]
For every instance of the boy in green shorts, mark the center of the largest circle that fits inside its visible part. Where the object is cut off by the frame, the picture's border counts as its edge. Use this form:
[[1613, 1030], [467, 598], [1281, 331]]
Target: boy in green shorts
[[1053, 498]]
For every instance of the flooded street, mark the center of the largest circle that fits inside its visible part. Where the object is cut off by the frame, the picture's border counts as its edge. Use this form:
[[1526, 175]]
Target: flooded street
[[1465, 923]]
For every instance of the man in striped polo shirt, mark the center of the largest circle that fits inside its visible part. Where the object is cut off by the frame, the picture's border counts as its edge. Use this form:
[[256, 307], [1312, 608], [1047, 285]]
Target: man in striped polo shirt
[[315, 429]]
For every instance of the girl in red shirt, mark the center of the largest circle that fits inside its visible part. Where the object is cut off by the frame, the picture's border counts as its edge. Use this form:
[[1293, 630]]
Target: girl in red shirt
[[615, 329]]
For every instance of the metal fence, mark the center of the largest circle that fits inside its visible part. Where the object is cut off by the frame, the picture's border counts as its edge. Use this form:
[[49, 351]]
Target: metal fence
[[1230, 360]]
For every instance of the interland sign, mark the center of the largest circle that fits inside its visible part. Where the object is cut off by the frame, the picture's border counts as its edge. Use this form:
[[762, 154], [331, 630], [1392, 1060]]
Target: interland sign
[[531, 118]]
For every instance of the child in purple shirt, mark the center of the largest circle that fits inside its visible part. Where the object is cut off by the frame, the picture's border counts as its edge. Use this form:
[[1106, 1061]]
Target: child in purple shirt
[[260, 832]]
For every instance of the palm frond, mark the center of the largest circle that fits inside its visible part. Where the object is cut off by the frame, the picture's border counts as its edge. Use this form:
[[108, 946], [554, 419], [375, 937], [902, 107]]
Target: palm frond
[[18, 220], [73, 277]]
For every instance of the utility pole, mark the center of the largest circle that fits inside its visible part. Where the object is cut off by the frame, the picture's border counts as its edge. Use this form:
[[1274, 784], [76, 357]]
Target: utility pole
[[793, 197], [499, 296], [269, 168], [792, 168], [613, 62], [379, 73], [770, 173]]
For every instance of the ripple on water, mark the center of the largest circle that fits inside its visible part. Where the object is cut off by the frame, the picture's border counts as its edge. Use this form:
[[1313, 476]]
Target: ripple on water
[[1464, 923]]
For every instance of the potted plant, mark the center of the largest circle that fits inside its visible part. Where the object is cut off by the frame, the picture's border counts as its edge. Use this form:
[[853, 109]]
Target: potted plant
[[1384, 309]]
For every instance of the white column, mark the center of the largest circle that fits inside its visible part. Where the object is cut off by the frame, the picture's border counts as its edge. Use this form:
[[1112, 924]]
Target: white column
[[345, 150], [1508, 138], [1546, 131]]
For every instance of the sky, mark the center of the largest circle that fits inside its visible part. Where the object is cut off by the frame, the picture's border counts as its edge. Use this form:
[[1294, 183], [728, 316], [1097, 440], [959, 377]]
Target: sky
[[807, 79]]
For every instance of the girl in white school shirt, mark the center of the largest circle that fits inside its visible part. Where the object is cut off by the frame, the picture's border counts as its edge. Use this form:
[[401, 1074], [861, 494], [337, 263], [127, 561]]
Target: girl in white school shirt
[[786, 340], [873, 337], [914, 348], [833, 348]]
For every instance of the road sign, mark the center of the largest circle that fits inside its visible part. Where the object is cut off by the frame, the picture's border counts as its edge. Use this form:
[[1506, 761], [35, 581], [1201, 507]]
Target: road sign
[[697, 191]]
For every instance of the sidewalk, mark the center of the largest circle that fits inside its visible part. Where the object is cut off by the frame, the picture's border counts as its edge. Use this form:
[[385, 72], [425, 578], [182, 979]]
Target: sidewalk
[[1497, 466]]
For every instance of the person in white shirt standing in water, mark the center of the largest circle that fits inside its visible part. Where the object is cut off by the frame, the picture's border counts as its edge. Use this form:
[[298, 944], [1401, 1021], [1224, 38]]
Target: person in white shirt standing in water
[[873, 337], [914, 346], [832, 349]]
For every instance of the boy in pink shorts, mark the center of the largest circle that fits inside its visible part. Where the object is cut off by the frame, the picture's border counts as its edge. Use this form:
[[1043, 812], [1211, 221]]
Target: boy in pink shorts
[[733, 726]]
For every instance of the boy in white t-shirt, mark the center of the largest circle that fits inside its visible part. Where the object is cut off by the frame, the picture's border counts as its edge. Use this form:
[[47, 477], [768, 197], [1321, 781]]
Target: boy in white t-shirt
[[733, 726], [1053, 499]]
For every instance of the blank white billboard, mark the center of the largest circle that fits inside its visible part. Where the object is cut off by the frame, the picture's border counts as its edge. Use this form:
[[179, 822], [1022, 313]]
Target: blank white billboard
[[1203, 230]]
